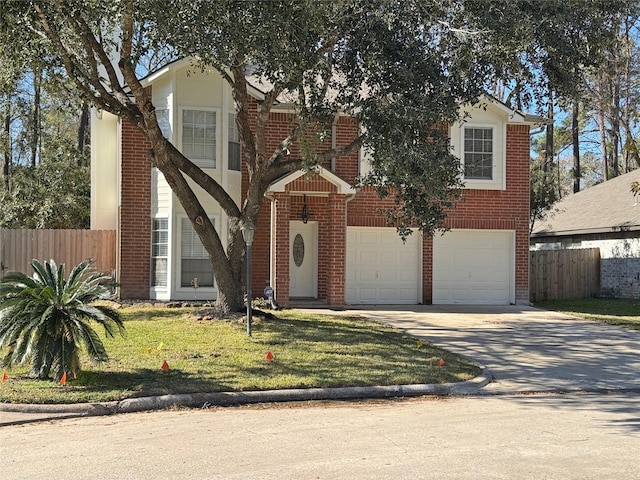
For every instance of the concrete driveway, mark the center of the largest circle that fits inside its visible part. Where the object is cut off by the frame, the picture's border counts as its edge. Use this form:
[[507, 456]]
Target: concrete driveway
[[524, 348]]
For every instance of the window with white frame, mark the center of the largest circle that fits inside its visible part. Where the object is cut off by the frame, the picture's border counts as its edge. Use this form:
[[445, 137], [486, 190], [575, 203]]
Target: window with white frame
[[159, 251], [199, 137], [235, 158], [478, 153], [162, 115], [194, 259]]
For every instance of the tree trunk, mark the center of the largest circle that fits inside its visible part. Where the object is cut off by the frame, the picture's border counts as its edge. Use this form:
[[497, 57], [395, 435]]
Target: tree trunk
[[575, 140], [35, 126], [615, 123], [82, 131], [602, 123], [549, 148], [6, 168]]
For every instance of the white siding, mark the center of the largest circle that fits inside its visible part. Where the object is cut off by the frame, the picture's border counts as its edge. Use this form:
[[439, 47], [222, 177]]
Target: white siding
[[105, 146]]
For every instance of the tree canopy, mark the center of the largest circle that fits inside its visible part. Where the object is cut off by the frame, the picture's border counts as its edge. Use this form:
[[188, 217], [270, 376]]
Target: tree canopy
[[400, 68]]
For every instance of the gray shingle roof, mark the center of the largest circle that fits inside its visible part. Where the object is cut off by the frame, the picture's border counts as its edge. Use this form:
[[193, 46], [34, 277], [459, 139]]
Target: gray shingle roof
[[607, 207]]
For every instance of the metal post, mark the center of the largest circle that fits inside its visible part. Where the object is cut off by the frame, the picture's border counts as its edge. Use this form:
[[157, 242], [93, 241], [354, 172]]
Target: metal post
[[249, 312], [248, 231]]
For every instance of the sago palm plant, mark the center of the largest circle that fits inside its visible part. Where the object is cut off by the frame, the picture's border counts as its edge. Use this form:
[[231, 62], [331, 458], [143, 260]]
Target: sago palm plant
[[45, 319]]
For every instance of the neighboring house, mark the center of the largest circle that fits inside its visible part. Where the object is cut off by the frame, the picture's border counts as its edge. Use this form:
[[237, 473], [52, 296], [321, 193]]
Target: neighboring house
[[318, 236], [605, 216]]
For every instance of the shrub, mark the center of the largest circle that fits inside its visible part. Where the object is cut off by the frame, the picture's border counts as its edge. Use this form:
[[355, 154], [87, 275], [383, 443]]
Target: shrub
[[45, 320]]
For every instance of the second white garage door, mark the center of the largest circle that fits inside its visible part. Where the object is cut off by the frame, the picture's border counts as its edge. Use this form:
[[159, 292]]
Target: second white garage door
[[474, 267], [381, 268]]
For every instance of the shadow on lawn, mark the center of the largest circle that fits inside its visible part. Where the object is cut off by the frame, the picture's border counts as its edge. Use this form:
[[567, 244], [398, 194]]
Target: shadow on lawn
[[375, 354], [144, 382]]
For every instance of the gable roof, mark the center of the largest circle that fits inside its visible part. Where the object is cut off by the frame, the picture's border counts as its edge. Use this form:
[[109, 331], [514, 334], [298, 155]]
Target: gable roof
[[604, 208], [340, 185], [259, 85]]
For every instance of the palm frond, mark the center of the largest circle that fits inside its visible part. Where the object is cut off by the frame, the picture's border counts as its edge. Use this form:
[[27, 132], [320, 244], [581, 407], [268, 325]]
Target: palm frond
[[46, 320]]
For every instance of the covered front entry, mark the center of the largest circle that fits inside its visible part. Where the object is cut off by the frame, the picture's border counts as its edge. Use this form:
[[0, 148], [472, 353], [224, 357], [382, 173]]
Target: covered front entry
[[303, 259], [474, 267], [381, 268], [308, 236]]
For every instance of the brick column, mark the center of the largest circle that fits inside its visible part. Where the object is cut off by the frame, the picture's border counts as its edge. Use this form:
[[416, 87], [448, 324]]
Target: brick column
[[281, 273], [337, 249], [522, 261], [427, 270], [135, 215]]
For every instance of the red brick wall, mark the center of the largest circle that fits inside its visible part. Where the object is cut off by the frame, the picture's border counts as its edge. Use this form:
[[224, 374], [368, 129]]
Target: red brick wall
[[504, 209], [479, 209], [135, 215]]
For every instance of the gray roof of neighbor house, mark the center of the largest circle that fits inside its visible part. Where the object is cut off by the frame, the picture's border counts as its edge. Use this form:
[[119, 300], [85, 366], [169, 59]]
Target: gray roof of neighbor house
[[607, 207]]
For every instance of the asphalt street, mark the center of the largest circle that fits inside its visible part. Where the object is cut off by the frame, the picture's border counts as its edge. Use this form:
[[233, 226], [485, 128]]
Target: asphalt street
[[550, 436], [563, 403]]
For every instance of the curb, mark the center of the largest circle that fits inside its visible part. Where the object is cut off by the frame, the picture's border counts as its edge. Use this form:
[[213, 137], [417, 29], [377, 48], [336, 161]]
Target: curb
[[205, 400]]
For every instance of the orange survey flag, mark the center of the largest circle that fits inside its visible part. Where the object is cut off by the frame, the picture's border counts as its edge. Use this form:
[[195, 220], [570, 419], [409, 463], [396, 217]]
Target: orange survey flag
[[63, 380], [4, 377]]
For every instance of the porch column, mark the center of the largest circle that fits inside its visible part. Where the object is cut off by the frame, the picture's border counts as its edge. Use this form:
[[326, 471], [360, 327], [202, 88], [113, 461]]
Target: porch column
[[282, 203], [337, 249]]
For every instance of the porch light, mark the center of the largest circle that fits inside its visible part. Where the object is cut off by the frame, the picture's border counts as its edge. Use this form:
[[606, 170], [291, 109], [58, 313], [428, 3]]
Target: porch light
[[306, 213], [248, 232]]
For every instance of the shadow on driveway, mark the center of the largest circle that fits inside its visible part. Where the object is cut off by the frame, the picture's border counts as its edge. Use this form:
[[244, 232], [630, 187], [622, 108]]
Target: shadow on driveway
[[525, 349]]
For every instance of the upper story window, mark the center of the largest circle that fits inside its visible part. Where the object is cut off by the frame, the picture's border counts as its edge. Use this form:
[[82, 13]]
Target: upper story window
[[480, 144], [235, 159], [199, 137], [478, 153]]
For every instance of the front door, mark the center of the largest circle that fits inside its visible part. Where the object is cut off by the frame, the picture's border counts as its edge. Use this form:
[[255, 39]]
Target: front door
[[303, 259]]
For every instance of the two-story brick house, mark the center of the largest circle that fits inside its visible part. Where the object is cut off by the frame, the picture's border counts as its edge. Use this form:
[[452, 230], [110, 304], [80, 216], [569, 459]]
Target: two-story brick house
[[318, 236]]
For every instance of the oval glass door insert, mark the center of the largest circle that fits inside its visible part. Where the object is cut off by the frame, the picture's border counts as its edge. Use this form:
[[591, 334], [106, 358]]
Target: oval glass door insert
[[298, 250]]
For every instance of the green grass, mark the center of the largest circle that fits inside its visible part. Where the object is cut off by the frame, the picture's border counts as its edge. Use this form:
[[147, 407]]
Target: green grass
[[216, 355], [623, 313]]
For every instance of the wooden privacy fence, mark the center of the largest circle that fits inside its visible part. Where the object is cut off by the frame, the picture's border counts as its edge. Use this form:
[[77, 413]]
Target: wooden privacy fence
[[19, 247], [564, 274]]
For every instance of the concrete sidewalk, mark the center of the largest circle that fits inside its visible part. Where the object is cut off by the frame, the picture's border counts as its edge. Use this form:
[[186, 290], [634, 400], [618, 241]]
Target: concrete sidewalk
[[522, 349]]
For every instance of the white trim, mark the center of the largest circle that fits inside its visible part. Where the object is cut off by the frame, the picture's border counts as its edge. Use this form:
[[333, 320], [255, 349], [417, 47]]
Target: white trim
[[187, 293], [499, 166], [342, 186], [218, 151], [158, 292], [172, 67]]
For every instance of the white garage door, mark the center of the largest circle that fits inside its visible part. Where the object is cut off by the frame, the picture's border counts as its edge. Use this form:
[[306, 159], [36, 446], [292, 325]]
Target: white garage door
[[473, 267], [380, 268]]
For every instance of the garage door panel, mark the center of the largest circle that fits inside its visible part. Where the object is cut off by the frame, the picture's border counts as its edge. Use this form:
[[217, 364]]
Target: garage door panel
[[380, 267], [473, 267]]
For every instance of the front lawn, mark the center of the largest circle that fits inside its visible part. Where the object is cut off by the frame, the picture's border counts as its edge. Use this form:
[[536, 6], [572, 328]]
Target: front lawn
[[216, 355], [623, 313]]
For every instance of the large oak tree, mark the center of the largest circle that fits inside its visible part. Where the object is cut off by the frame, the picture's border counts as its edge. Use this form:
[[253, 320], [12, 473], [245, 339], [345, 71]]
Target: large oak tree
[[400, 68]]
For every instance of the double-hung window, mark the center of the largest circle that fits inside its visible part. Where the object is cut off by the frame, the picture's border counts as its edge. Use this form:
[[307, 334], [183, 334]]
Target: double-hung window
[[159, 251], [478, 153], [194, 260], [162, 115], [234, 144], [199, 137]]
